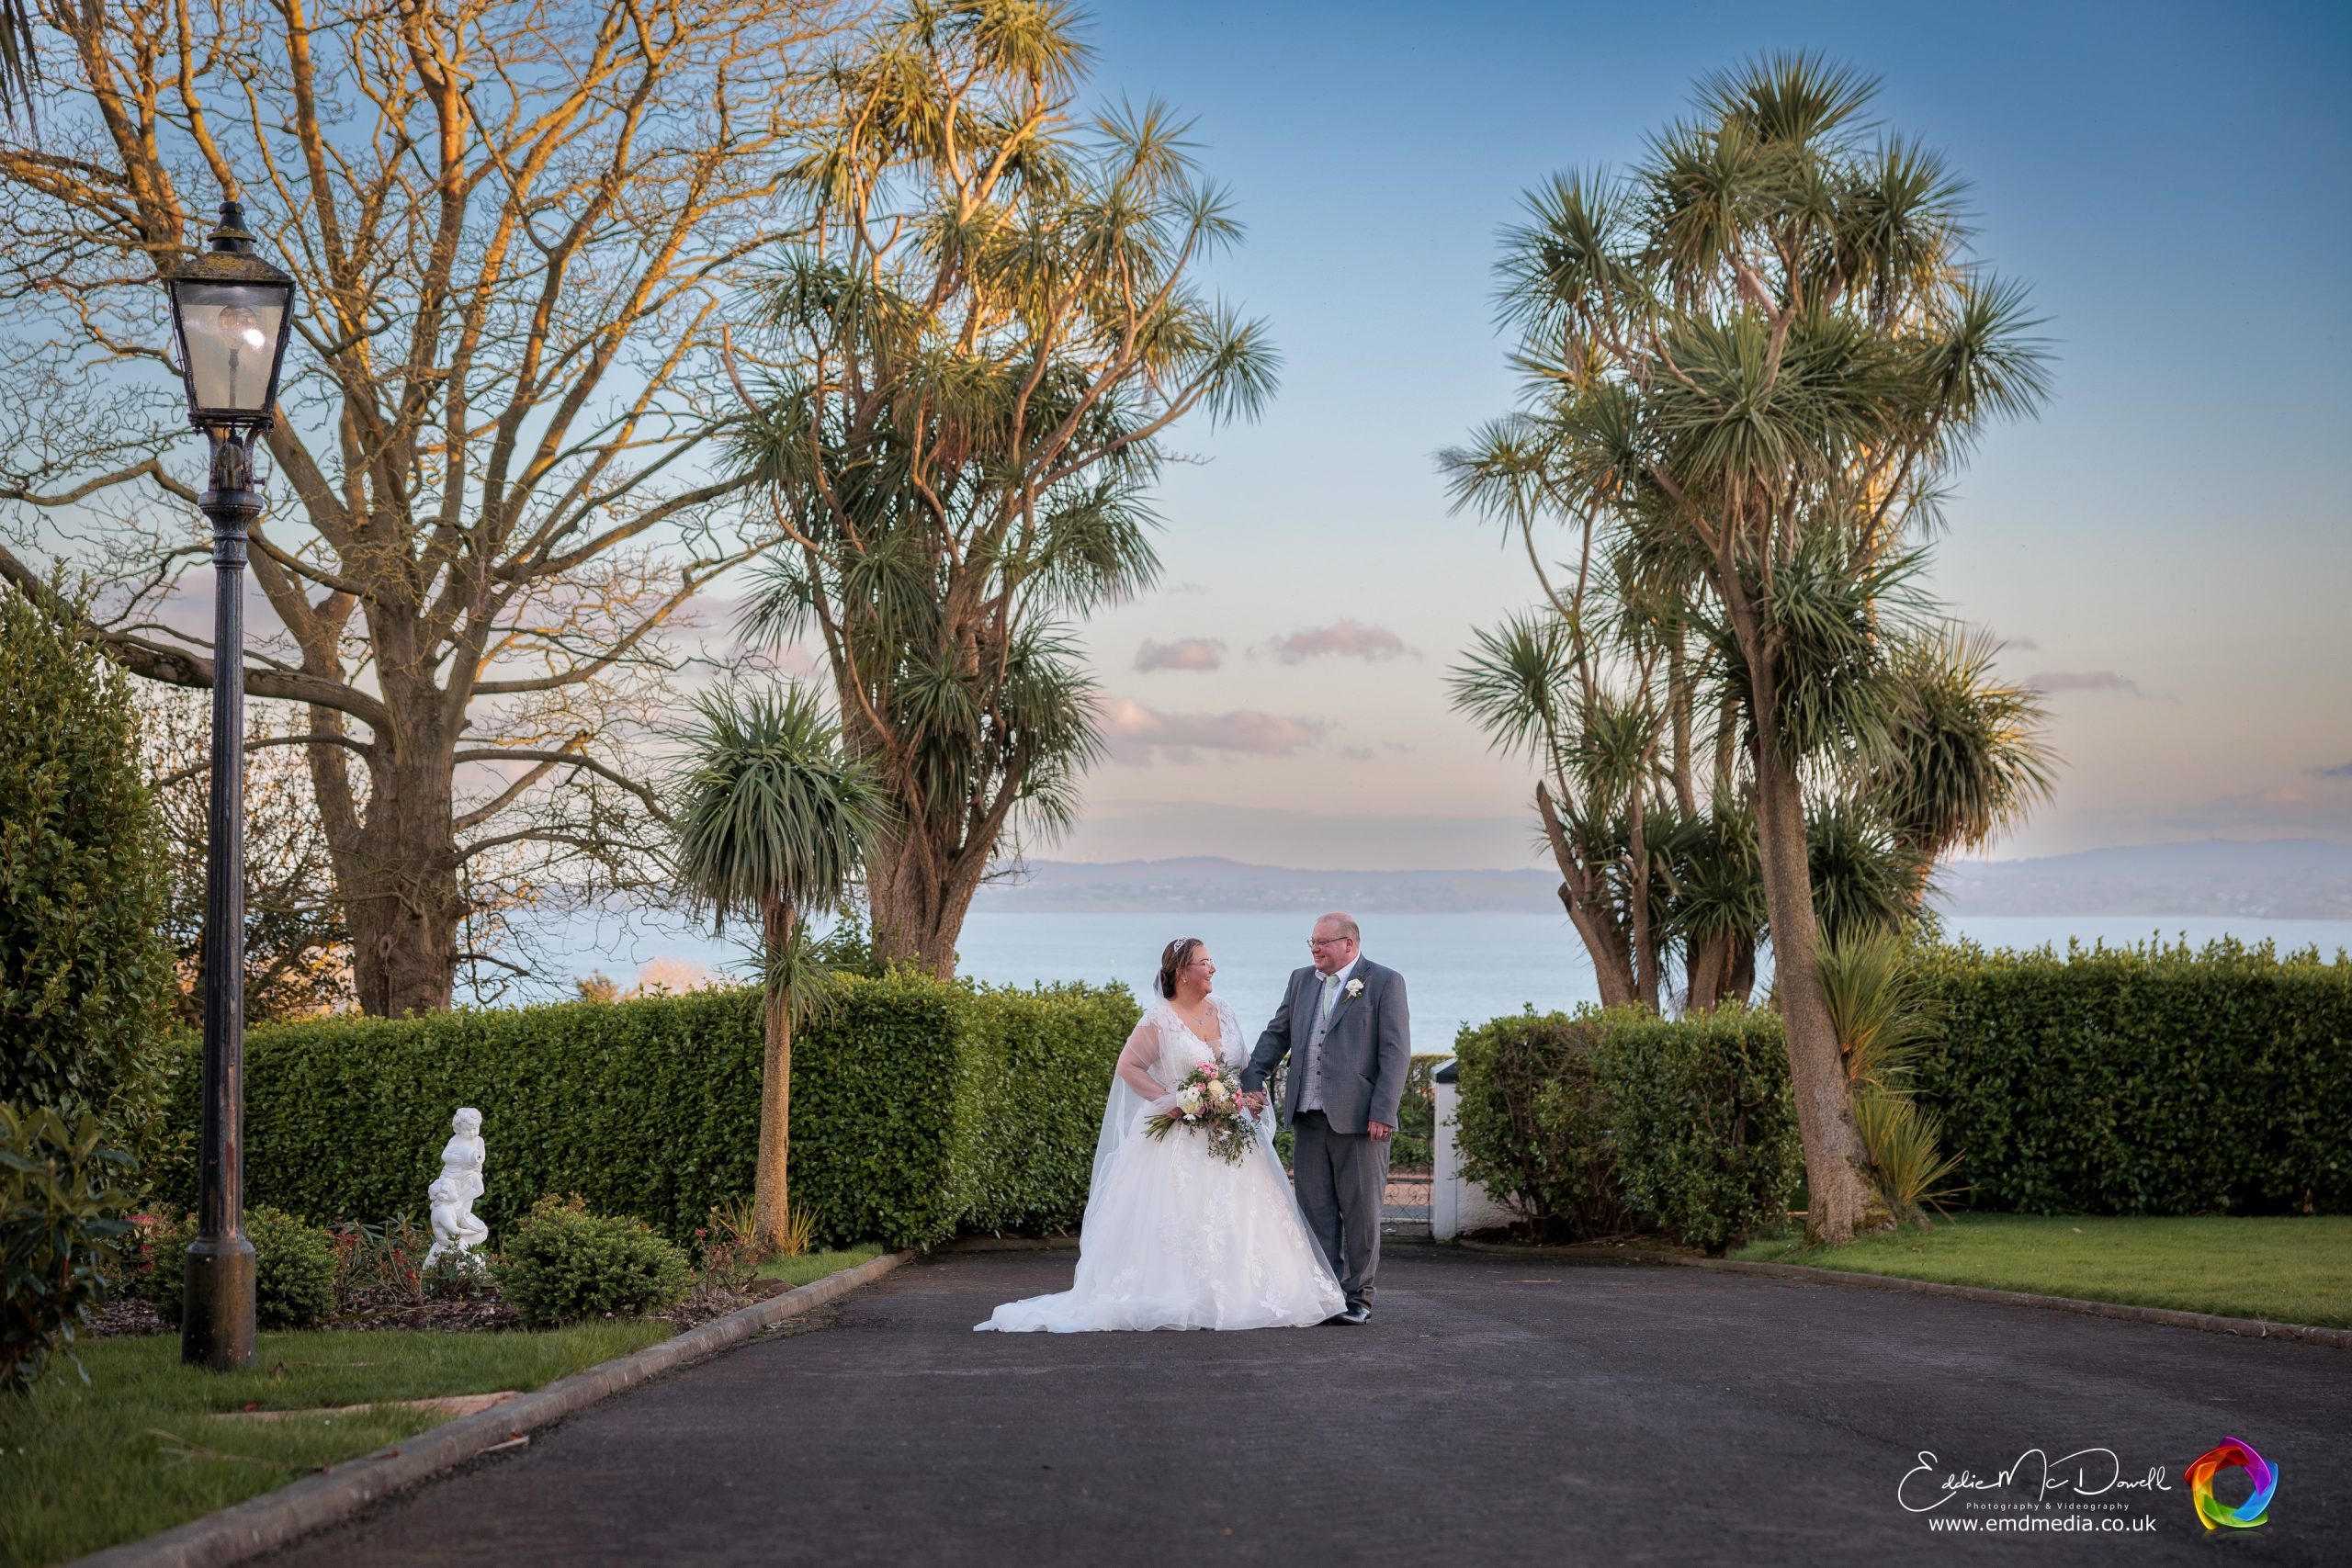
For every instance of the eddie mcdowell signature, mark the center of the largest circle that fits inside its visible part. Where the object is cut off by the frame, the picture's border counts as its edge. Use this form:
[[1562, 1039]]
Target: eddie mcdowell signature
[[2086, 1472]]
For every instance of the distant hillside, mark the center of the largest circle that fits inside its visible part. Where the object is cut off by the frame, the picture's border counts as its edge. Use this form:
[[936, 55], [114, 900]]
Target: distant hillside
[[2277, 879], [2284, 879]]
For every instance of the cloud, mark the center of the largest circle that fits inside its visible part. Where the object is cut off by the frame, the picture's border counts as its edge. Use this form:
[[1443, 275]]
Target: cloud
[[1358, 753], [1345, 640], [2340, 771], [2086, 681], [1137, 734], [2285, 807], [1186, 653], [669, 974]]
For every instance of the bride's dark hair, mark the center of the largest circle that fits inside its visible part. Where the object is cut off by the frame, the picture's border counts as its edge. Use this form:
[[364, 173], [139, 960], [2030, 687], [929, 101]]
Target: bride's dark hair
[[1173, 959]]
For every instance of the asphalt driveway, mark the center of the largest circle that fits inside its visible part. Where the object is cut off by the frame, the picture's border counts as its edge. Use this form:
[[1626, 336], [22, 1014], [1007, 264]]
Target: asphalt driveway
[[1496, 1411]]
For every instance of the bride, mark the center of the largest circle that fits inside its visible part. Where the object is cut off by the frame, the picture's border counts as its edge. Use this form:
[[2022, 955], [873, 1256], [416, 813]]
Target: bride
[[1174, 1238]]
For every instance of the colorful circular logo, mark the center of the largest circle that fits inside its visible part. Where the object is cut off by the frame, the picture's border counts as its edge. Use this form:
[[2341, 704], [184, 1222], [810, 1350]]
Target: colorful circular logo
[[2238, 1454]]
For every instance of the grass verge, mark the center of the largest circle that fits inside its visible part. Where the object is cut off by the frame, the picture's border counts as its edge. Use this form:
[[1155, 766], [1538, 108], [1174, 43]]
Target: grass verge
[[142, 1447], [811, 1267], [2285, 1269]]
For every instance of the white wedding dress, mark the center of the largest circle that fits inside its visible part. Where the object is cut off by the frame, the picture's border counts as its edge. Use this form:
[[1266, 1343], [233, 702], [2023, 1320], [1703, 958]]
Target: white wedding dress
[[1174, 1238]]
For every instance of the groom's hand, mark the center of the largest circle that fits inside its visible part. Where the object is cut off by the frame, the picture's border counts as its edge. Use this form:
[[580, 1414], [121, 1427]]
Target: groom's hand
[[1255, 1100], [1378, 1128]]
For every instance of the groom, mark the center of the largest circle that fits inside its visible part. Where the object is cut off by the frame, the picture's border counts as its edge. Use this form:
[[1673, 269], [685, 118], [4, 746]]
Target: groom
[[1342, 1024]]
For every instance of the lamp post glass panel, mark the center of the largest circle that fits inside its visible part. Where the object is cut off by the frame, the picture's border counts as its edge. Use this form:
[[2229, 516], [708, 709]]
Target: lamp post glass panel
[[230, 314]]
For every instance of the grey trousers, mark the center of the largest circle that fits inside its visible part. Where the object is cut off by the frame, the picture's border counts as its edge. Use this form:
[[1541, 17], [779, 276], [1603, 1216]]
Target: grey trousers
[[1341, 1178]]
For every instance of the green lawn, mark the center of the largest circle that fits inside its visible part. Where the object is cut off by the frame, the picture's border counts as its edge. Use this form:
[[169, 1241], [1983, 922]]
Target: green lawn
[[811, 1267], [142, 1448], [2284, 1270]]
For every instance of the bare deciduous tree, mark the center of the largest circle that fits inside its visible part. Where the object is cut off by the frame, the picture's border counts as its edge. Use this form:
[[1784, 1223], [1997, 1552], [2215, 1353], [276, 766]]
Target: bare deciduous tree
[[298, 955], [512, 222]]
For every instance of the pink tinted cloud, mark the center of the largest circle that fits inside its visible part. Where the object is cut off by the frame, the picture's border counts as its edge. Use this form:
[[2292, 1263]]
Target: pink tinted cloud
[[1346, 639], [1185, 653], [1137, 735], [2085, 681]]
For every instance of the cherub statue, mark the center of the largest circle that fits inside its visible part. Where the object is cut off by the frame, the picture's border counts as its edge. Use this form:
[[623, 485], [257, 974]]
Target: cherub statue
[[452, 1194]]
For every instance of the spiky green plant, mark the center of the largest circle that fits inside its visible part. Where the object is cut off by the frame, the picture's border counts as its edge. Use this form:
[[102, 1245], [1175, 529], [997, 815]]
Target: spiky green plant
[[1884, 1013], [773, 822], [1967, 754], [1905, 1147]]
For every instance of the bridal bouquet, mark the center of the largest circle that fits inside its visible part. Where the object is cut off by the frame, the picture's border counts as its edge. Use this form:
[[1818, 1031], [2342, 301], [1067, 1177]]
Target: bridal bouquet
[[1209, 1101]]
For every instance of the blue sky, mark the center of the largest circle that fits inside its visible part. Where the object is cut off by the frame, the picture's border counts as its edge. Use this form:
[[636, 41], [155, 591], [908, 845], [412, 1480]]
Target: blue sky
[[2166, 547]]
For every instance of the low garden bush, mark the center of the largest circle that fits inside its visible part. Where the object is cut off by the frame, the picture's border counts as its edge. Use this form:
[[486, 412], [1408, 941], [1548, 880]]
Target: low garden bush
[[1593, 1123], [1530, 1125], [920, 1107], [1699, 1121], [564, 1265], [2149, 1081], [295, 1267]]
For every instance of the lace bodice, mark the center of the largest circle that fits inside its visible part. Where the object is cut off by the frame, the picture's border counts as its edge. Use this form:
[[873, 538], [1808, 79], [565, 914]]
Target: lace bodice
[[1181, 1050]]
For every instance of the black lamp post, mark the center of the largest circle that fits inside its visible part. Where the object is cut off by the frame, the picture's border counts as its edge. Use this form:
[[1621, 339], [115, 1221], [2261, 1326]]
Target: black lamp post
[[231, 312]]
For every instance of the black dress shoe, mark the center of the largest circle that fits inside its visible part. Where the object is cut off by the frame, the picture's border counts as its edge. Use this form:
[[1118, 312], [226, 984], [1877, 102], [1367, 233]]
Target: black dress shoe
[[1357, 1312]]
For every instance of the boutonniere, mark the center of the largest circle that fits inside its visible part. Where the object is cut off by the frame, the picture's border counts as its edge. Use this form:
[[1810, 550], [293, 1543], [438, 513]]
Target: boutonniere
[[1354, 988]]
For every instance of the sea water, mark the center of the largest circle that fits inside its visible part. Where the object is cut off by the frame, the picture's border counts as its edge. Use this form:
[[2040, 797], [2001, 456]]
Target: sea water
[[1459, 968]]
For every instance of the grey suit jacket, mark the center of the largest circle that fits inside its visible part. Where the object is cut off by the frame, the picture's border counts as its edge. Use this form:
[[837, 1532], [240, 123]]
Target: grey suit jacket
[[1366, 1051]]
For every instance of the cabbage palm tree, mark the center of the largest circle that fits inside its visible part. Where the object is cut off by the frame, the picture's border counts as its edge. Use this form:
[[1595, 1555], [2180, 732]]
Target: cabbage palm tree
[[773, 822], [1759, 355], [962, 389], [1969, 756]]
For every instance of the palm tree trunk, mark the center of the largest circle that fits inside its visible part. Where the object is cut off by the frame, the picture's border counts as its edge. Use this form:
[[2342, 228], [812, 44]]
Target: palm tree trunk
[[1707, 967], [772, 1193], [1842, 1200]]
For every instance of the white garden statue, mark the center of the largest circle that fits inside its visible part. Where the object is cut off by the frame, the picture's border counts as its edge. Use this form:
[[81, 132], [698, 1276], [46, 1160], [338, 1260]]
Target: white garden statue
[[452, 1194]]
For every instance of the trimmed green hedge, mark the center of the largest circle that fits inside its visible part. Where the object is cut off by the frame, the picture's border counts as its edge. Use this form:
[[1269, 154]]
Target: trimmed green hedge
[[1700, 1121], [2151, 1080], [918, 1108], [1595, 1122]]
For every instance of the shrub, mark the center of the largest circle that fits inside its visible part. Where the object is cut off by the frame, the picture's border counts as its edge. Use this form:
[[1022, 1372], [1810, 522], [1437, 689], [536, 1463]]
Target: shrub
[[920, 1107], [60, 1235], [1699, 1120], [295, 1267], [2146, 1080], [1530, 1125], [1595, 1122], [563, 1264], [85, 980]]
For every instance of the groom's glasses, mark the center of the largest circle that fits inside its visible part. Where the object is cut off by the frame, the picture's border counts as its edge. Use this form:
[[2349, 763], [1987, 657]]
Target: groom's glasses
[[1314, 943]]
